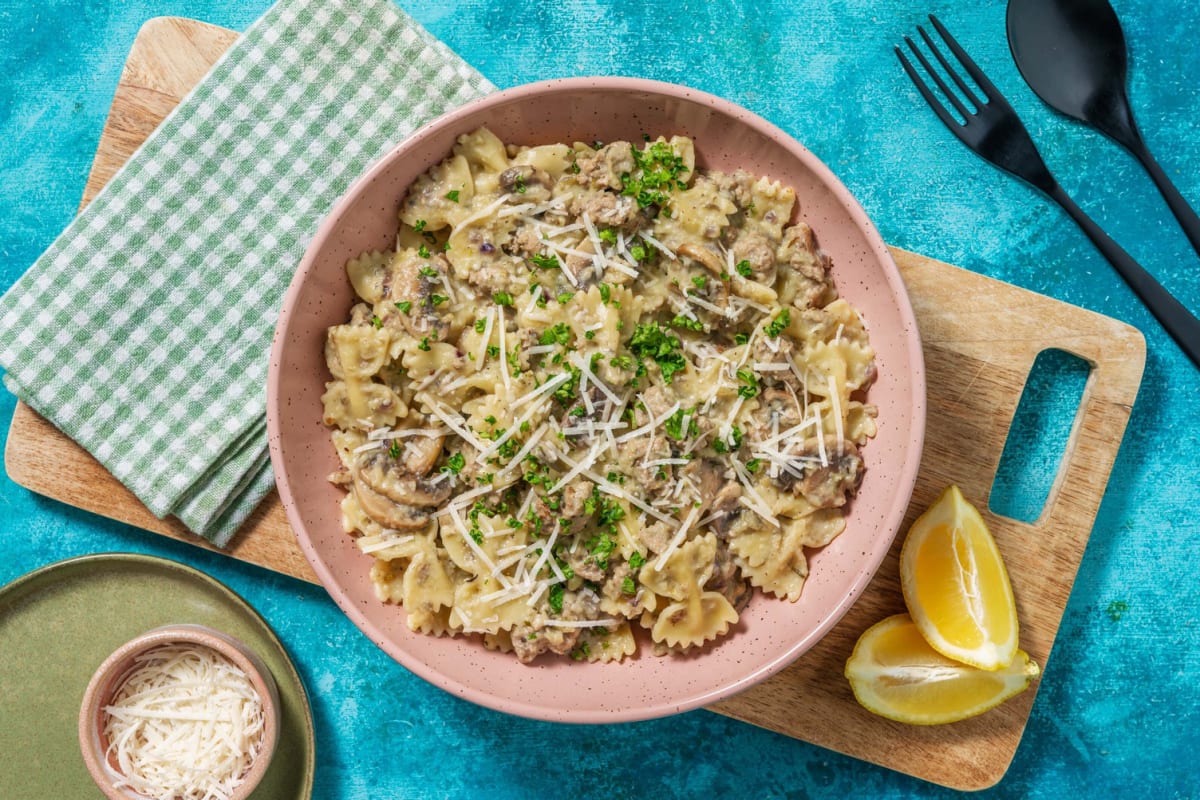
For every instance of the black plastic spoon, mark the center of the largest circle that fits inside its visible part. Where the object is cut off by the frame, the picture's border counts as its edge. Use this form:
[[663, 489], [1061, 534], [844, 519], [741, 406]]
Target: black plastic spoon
[[1072, 54]]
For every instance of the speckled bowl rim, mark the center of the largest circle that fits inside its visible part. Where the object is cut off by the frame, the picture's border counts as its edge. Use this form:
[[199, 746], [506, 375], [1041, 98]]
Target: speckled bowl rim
[[109, 675], [890, 520]]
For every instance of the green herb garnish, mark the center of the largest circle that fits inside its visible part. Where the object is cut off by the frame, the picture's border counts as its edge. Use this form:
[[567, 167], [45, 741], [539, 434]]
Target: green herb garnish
[[779, 323], [750, 383], [651, 341], [559, 333], [455, 463], [544, 262], [687, 323]]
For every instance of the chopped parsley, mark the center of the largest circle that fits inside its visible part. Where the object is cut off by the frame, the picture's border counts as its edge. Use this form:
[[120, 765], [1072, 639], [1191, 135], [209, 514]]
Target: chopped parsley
[[428, 272], [564, 297], [555, 598], [544, 262], [741, 338], [622, 362], [733, 442], [674, 424], [649, 340], [376, 321], [687, 323], [452, 195], [424, 345], [455, 463], [605, 293], [636, 560], [394, 449], [778, 324], [752, 465], [743, 268], [438, 299], [480, 325], [608, 236], [601, 547], [566, 393], [423, 251], [404, 305], [628, 585], [502, 299], [656, 172], [419, 225], [749, 387], [559, 333]]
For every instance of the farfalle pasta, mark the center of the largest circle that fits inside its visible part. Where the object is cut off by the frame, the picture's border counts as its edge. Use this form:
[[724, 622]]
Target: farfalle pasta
[[594, 390]]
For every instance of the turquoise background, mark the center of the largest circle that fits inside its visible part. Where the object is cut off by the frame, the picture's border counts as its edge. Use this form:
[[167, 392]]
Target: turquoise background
[[1117, 712]]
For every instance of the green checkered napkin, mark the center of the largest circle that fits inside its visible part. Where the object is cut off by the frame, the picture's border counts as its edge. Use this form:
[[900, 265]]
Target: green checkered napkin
[[143, 332]]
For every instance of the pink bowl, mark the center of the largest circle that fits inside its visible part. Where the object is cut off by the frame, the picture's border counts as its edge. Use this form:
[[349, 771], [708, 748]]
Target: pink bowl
[[771, 633]]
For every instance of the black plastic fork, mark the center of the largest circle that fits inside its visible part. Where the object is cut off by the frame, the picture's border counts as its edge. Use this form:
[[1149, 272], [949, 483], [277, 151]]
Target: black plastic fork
[[994, 132]]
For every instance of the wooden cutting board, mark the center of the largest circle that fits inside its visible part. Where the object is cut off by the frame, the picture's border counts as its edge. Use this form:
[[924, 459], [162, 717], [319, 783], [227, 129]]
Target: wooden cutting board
[[980, 339]]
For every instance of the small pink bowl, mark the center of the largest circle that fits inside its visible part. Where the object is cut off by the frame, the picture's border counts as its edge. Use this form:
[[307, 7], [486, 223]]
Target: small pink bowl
[[118, 666]]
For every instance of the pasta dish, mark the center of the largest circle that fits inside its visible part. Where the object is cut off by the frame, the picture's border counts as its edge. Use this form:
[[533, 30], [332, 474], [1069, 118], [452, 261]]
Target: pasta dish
[[594, 389]]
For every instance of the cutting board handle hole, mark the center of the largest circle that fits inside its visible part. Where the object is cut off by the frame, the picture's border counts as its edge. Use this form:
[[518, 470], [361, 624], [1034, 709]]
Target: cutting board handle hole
[[1039, 435]]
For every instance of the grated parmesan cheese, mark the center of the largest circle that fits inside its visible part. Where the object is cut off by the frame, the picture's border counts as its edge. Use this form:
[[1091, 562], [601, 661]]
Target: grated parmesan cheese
[[185, 723]]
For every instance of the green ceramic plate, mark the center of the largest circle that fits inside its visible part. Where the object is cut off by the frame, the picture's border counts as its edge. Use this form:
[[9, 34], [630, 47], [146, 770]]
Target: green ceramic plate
[[58, 623]]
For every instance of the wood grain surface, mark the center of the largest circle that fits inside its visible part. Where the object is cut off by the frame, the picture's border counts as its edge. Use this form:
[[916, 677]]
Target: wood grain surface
[[980, 338]]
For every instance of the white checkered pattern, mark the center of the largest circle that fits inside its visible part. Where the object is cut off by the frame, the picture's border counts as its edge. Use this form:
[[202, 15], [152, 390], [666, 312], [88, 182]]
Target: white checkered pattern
[[110, 333]]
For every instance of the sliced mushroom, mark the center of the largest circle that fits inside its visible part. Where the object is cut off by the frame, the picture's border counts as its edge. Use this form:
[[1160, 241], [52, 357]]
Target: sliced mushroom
[[777, 408], [705, 255], [385, 511], [421, 453], [726, 580], [388, 476], [706, 475], [531, 183], [826, 485], [726, 509]]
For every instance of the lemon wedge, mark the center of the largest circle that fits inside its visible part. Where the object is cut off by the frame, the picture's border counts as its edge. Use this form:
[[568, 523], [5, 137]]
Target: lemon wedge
[[896, 674], [956, 587]]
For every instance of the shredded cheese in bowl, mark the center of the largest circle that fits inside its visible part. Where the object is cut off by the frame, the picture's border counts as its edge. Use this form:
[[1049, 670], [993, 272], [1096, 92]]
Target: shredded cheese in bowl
[[181, 721]]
